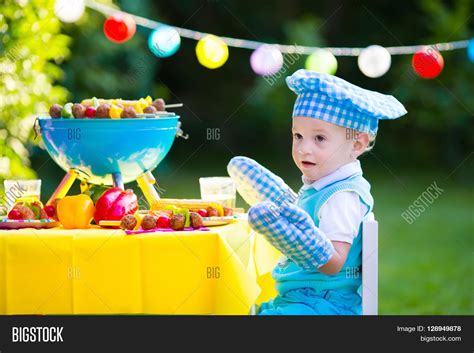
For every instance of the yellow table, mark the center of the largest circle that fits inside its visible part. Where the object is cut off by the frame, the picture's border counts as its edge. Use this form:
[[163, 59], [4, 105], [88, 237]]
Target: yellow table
[[103, 271]]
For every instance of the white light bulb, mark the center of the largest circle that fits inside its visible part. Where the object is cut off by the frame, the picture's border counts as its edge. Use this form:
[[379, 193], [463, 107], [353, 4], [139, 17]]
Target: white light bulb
[[374, 61], [69, 10]]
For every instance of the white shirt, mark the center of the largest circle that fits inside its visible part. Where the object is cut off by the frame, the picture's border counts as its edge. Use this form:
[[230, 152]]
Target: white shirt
[[341, 215]]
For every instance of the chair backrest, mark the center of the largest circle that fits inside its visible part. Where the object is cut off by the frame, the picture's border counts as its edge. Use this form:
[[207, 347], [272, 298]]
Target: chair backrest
[[370, 264]]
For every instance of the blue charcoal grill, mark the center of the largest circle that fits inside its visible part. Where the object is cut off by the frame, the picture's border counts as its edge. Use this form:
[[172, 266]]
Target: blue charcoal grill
[[109, 151]]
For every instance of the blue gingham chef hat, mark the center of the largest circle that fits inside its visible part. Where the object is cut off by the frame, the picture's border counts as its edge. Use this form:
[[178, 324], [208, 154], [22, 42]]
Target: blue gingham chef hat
[[336, 101]]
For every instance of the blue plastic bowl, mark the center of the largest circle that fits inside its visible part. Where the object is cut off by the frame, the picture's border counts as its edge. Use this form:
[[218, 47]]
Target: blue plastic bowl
[[97, 148]]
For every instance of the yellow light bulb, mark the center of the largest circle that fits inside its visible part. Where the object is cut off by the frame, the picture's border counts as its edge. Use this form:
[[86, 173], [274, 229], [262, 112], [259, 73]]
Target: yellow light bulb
[[212, 52]]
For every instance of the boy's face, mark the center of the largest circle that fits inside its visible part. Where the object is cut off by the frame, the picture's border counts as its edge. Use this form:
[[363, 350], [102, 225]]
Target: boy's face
[[320, 147]]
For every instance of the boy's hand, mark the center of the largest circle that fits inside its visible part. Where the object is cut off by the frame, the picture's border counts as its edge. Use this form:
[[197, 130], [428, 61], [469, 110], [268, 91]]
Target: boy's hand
[[292, 231], [256, 184]]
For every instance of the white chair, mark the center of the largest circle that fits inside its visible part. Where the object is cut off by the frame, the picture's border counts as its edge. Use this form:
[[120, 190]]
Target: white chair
[[370, 265]]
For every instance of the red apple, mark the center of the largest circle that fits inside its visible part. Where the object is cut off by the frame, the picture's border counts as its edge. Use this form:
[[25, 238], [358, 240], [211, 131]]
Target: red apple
[[14, 214], [50, 210]]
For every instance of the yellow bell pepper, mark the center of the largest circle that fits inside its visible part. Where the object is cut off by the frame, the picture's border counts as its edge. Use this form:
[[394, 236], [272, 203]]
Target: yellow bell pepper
[[138, 108], [115, 112], [76, 211], [143, 103]]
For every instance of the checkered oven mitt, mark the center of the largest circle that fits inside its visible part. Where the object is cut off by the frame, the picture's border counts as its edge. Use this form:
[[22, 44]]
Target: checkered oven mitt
[[292, 231], [255, 183]]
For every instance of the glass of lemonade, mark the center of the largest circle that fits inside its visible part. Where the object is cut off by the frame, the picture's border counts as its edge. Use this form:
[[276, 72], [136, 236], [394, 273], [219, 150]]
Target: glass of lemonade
[[218, 189], [21, 191]]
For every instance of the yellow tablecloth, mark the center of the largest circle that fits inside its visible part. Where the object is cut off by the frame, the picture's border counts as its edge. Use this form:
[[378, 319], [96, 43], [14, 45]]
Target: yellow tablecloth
[[104, 271]]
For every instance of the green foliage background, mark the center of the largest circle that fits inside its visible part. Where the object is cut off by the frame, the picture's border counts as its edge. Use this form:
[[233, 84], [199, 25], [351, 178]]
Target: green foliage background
[[30, 77]]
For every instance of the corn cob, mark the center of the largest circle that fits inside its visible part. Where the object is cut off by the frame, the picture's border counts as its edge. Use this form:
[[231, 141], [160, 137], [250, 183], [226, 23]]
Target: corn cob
[[191, 204]]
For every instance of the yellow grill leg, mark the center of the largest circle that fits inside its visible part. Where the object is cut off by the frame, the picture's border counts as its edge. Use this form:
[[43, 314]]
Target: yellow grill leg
[[146, 182], [63, 186]]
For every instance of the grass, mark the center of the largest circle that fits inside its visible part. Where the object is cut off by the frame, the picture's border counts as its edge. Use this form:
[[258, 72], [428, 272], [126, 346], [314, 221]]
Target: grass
[[425, 267]]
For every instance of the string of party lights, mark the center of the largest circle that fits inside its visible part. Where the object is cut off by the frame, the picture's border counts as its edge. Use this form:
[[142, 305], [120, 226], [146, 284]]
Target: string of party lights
[[266, 59]]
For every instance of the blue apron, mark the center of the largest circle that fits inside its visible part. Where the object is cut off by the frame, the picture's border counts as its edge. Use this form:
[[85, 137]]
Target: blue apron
[[303, 292]]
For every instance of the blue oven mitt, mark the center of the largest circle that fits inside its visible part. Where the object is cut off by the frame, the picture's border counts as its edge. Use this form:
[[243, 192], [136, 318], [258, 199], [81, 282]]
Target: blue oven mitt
[[286, 226], [255, 183], [291, 230]]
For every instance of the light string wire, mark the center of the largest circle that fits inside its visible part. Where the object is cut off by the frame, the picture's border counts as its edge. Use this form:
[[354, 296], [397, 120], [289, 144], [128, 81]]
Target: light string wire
[[286, 49]]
